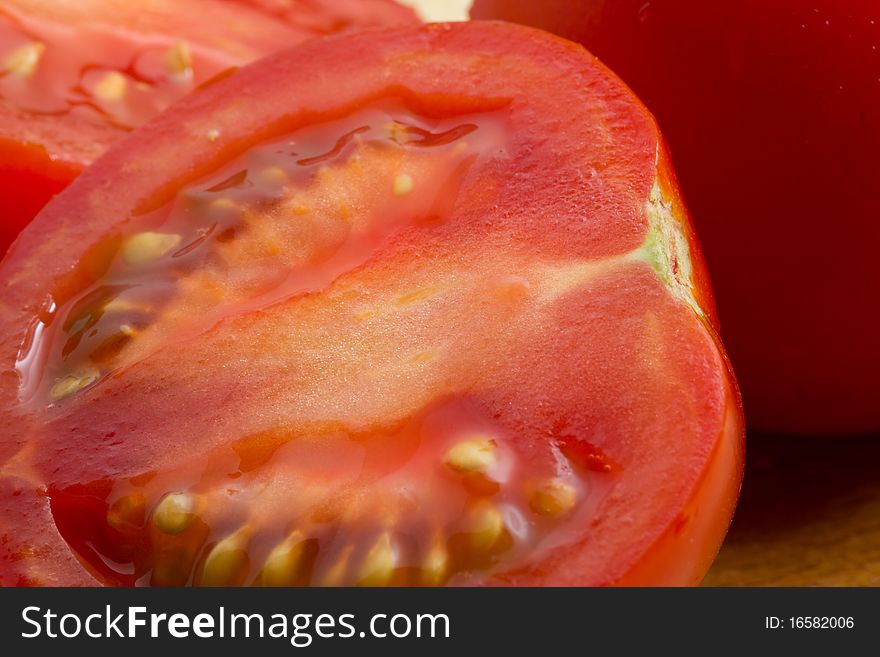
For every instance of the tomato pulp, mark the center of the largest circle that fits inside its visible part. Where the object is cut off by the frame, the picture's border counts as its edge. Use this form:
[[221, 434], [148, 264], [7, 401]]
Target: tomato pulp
[[428, 312], [772, 111], [76, 76]]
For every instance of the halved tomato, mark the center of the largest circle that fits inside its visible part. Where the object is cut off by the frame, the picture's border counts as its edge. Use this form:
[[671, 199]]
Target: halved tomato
[[419, 306], [75, 76]]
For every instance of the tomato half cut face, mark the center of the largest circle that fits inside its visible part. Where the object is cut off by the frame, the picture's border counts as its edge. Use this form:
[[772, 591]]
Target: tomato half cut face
[[76, 76], [436, 320]]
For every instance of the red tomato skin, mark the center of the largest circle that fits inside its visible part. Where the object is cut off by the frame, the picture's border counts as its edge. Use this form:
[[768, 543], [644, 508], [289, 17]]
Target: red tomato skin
[[678, 543], [772, 111]]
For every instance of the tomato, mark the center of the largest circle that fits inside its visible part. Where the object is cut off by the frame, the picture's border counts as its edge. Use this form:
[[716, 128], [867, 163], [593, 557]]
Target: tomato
[[772, 111], [321, 17], [75, 76], [429, 310]]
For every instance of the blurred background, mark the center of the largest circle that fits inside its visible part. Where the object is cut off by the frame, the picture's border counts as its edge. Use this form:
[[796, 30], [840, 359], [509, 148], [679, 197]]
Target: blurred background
[[440, 10]]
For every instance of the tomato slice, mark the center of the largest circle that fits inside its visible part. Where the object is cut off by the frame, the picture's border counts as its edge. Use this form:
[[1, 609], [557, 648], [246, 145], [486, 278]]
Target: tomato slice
[[428, 310], [75, 76]]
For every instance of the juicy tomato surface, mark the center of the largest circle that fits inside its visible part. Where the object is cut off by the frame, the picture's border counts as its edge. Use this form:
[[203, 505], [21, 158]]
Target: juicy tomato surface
[[428, 311], [772, 112], [76, 75]]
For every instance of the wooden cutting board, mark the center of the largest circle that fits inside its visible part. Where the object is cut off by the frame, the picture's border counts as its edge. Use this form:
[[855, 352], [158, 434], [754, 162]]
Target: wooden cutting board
[[809, 515]]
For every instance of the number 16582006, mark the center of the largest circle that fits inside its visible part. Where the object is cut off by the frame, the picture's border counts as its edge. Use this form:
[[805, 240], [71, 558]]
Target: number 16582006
[[810, 622]]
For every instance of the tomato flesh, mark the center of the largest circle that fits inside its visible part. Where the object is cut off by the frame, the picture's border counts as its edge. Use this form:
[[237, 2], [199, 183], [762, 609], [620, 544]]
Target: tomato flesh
[[74, 77], [341, 344], [772, 112]]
